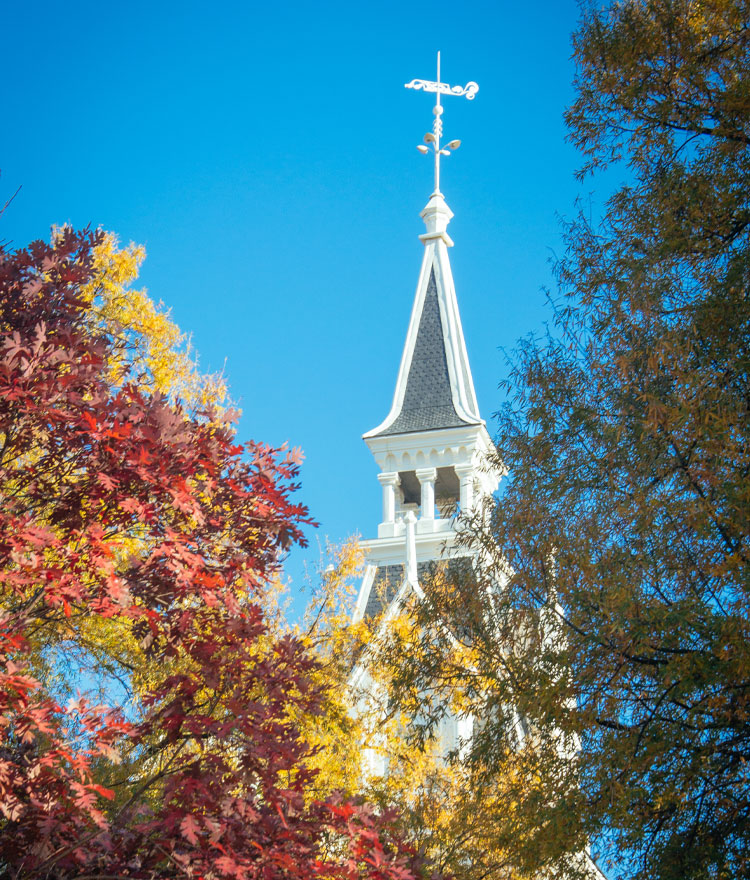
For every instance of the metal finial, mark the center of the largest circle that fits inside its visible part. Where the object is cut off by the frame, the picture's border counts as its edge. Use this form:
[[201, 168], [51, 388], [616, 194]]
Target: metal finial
[[433, 138]]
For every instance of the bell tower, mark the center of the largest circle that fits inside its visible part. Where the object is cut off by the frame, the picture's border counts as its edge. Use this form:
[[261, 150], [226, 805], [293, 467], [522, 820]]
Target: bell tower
[[432, 445]]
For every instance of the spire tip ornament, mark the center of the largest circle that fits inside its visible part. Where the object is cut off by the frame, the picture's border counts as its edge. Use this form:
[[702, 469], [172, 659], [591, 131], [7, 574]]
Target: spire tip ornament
[[432, 138]]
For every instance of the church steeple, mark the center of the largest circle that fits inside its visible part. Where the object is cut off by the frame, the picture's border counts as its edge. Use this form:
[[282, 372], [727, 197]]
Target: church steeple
[[433, 443]]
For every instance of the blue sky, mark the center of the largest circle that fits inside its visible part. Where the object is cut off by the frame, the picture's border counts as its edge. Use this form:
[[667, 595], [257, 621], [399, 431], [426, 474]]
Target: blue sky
[[265, 156]]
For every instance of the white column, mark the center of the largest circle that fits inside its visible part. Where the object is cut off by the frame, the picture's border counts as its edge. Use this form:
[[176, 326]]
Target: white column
[[465, 473], [388, 481], [411, 549], [427, 477], [465, 730]]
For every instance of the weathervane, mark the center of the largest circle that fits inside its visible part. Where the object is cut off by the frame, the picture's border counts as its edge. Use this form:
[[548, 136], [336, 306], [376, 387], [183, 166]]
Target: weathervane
[[433, 138]]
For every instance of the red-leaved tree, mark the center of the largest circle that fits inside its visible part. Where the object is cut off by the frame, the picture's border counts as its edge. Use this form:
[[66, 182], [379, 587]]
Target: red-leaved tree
[[122, 512]]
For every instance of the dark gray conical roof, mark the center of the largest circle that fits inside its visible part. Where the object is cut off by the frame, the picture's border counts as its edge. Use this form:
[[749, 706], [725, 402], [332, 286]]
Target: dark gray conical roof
[[428, 401]]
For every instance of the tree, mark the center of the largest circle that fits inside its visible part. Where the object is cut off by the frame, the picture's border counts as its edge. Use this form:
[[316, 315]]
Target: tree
[[125, 515], [611, 608]]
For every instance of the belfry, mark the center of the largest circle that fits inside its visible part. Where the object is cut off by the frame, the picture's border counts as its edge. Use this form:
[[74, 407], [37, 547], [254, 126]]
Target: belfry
[[431, 447]]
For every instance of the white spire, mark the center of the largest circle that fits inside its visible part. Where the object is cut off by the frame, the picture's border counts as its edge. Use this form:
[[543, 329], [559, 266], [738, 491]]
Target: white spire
[[436, 215], [434, 389]]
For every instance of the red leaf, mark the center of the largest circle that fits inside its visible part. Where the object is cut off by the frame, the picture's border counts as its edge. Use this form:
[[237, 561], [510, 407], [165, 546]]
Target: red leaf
[[190, 828]]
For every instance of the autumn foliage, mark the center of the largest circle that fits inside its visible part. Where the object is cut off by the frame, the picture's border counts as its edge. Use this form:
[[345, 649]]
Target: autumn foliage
[[137, 538]]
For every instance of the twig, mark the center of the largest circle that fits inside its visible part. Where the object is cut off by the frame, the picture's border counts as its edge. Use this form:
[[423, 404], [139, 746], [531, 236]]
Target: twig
[[2, 210]]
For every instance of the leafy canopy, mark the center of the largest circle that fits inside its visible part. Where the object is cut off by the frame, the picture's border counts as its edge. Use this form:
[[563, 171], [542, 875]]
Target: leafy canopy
[[612, 607]]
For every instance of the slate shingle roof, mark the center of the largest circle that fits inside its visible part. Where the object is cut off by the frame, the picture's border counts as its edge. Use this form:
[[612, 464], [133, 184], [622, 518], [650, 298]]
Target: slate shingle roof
[[389, 578], [428, 402], [386, 583]]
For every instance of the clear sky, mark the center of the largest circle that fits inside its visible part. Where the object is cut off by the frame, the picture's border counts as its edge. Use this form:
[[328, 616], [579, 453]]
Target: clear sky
[[265, 156]]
